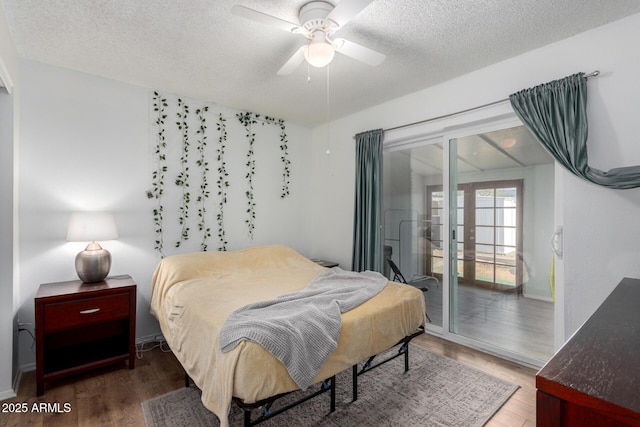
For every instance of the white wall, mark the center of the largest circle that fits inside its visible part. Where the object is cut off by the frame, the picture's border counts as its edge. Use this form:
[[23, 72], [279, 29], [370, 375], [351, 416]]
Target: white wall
[[601, 226], [9, 71], [6, 244], [86, 144]]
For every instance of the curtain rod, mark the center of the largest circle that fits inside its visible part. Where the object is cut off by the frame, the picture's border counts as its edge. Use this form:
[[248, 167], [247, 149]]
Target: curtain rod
[[592, 74]]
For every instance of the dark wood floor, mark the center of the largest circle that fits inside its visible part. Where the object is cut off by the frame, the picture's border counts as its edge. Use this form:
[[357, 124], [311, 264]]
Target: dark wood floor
[[107, 397], [113, 396]]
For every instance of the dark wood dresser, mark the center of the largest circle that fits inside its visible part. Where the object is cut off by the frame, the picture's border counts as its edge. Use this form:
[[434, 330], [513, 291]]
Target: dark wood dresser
[[84, 326], [594, 379]]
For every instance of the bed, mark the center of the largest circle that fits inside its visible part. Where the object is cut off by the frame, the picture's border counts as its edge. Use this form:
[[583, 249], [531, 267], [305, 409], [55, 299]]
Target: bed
[[193, 294]]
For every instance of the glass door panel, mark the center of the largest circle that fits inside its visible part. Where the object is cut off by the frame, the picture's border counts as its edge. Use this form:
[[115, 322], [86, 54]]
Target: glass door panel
[[413, 220], [502, 198]]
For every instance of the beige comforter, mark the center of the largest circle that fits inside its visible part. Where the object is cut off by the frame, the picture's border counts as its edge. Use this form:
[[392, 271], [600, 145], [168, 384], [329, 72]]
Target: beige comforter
[[194, 293]]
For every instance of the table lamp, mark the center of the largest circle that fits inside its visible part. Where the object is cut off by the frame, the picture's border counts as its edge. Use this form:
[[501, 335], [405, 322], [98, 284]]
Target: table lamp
[[92, 264]]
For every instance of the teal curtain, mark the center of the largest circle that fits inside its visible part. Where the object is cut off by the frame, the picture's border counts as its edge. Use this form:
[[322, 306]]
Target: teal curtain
[[367, 222], [556, 114]]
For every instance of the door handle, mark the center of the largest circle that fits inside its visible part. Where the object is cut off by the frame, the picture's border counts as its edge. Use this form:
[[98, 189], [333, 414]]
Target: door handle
[[557, 242]]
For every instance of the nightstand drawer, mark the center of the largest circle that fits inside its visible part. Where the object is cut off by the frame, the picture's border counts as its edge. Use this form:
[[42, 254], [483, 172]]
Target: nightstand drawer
[[81, 312]]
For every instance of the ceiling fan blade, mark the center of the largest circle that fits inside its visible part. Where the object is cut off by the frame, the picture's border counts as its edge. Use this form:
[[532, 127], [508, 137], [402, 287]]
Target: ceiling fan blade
[[293, 62], [359, 52], [263, 18], [346, 10]]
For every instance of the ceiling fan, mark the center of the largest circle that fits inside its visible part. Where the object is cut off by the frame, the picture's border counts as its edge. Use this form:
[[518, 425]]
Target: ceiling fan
[[319, 20]]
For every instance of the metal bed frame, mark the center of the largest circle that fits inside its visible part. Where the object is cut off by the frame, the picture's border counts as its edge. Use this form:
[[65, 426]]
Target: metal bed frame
[[328, 385]]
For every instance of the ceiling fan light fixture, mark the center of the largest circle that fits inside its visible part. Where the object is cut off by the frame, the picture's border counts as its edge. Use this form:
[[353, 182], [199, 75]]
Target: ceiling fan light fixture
[[319, 53]]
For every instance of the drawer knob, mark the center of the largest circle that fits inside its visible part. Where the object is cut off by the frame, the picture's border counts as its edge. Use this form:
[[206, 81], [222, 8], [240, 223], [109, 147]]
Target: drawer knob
[[89, 311]]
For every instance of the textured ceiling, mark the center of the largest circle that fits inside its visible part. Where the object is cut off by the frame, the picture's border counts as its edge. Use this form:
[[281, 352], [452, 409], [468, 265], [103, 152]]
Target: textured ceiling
[[197, 48]]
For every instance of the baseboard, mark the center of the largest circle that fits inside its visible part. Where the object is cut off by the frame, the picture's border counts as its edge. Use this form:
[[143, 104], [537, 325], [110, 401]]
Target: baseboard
[[150, 338], [156, 341], [538, 297], [8, 394], [16, 380], [28, 367]]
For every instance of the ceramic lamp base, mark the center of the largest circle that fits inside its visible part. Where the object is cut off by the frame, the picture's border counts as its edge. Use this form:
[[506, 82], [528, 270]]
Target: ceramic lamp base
[[93, 264]]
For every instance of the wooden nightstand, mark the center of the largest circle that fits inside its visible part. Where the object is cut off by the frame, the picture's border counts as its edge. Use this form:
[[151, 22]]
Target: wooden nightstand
[[84, 326], [324, 263]]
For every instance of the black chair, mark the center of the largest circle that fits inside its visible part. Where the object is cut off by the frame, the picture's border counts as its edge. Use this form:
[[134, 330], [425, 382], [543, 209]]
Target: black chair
[[398, 277]]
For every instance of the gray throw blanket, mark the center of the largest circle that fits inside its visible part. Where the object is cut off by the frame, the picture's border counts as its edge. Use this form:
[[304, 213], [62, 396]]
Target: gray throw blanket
[[301, 329]]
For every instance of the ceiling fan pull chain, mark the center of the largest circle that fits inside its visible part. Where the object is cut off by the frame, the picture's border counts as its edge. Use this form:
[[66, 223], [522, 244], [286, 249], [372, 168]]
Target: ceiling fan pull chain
[[328, 152]]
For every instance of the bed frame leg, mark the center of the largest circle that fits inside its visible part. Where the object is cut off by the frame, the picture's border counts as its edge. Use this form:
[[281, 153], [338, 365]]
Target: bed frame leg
[[186, 379], [367, 366], [354, 383], [333, 394], [247, 418], [406, 357]]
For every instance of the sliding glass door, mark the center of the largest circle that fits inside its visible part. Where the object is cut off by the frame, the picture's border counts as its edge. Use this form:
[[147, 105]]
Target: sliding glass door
[[468, 218], [501, 189]]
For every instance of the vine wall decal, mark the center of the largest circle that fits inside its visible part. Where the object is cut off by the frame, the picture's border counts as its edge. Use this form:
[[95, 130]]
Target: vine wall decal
[[182, 180], [284, 158], [204, 171], [172, 150], [222, 182], [158, 175], [247, 119]]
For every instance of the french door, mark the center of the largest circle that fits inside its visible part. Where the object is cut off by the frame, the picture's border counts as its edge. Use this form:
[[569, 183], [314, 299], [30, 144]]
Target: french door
[[488, 233]]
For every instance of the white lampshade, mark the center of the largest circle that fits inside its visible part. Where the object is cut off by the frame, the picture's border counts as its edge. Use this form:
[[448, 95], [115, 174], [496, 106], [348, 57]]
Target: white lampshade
[[319, 53], [91, 227]]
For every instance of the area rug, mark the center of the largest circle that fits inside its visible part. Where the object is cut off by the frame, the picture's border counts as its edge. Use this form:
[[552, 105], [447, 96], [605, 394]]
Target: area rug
[[436, 391]]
